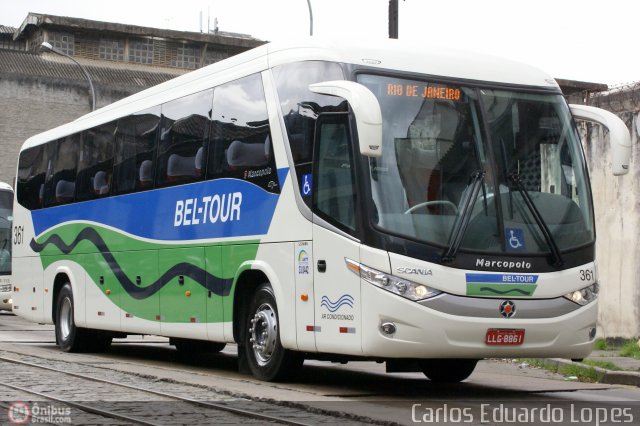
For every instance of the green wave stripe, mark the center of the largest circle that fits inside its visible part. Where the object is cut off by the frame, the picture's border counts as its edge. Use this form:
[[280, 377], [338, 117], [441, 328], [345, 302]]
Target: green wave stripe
[[501, 290], [150, 261]]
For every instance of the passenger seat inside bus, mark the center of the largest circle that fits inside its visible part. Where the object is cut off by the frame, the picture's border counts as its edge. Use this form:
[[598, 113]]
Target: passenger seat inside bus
[[198, 161], [65, 191], [100, 183], [244, 155], [146, 174], [181, 168]]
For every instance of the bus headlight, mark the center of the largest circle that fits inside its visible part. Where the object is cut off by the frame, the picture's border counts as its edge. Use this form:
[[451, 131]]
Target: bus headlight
[[585, 295], [396, 285]]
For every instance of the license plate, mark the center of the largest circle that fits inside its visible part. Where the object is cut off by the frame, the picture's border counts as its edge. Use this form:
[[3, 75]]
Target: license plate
[[504, 336]]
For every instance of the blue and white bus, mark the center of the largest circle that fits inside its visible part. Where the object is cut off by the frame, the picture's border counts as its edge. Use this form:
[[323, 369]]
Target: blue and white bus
[[422, 207], [6, 217]]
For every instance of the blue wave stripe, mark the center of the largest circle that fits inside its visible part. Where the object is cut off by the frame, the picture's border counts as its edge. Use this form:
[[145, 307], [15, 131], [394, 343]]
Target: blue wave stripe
[[155, 215]]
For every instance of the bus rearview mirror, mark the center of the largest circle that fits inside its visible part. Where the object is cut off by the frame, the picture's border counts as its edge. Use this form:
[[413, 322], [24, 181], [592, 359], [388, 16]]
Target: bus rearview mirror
[[366, 109], [619, 137]]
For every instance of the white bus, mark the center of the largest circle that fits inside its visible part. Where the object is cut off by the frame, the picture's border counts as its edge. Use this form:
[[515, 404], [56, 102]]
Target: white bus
[[6, 217], [386, 202]]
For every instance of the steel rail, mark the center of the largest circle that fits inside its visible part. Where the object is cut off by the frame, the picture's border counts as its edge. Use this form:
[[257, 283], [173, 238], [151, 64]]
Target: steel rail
[[83, 407], [205, 404]]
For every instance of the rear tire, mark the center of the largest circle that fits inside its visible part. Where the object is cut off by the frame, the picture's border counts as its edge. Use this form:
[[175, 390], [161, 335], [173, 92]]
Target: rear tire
[[266, 357], [448, 370], [71, 338], [68, 336]]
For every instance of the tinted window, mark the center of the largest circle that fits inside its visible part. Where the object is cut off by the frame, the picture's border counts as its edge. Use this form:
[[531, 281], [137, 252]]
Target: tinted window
[[136, 137], [95, 163], [185, 129], [32, 168], [241, 143], [300, 106], [60, 183], [334, 198]]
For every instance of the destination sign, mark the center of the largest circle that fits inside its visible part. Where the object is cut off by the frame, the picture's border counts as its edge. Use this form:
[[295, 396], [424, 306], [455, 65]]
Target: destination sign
[[424, 91]]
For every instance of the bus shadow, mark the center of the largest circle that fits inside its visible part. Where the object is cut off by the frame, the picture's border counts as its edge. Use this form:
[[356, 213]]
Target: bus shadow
[[360, 380]]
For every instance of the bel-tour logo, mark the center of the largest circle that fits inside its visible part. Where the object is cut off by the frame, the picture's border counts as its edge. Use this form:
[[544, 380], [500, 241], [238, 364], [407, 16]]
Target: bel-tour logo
[[209, 209]]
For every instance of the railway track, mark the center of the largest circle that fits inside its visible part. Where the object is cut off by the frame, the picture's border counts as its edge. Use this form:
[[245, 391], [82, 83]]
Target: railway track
[[126, 398]]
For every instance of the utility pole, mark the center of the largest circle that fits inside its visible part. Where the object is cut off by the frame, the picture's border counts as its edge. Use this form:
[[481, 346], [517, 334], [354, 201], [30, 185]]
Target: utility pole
[[310, 18], [393, 18]]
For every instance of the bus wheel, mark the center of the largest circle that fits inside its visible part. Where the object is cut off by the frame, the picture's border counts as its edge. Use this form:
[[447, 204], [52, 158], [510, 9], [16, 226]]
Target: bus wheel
[[68, 335], [192, 345], [448, 370], [266, 357]]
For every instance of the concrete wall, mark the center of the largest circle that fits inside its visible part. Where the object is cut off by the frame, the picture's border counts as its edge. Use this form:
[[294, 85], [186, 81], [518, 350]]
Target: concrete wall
[[617, 210], [29, 106]]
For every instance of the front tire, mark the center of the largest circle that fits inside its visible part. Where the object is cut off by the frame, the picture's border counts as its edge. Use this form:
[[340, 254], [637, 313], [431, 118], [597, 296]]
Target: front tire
[[266, 357], [448, 370]]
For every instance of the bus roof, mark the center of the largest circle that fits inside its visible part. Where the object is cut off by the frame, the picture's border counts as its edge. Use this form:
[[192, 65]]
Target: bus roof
[[383, 54]]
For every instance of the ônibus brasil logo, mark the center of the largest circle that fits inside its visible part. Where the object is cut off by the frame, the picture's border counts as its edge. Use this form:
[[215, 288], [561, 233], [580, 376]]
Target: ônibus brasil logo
[[19, 413]]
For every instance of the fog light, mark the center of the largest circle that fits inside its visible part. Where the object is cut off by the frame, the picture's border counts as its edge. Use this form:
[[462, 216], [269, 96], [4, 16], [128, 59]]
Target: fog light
[[592, 333], [388, 328]]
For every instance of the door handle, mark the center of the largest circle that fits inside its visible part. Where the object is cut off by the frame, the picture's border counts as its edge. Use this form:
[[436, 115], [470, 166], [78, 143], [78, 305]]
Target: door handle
[[322, 266]]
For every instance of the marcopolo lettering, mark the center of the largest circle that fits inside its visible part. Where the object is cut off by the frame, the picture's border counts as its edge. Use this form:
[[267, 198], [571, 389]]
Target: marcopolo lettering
[[507, 264], [210, 209]]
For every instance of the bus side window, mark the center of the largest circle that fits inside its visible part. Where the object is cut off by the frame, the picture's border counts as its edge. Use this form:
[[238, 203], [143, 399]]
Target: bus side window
[[184, 135], [95, 165], [241, 145], [32, 168], [136, 138], [300, 107], [60, 182]]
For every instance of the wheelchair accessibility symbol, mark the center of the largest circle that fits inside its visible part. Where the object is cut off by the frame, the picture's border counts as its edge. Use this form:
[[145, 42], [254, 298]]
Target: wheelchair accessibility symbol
[[307, 182], [515, 239]]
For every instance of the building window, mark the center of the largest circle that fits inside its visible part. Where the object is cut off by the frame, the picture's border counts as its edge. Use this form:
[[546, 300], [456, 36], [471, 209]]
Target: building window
[[213, 56], [111, 50], [141, 51], [63, 42], [187, 57], [12, 45]]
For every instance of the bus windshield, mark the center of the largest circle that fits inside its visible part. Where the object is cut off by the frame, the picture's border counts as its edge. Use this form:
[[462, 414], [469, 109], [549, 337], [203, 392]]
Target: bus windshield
[[500, 170], [6, 209]]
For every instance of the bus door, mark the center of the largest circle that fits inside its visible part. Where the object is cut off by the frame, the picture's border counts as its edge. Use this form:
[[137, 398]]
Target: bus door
[[336, 288]]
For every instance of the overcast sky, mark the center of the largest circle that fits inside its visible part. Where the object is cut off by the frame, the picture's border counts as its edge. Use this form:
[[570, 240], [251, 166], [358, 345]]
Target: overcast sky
[[587, 40]]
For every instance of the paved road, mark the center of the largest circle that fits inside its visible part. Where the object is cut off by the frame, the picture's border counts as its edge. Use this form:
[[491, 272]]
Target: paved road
[[497, 390]]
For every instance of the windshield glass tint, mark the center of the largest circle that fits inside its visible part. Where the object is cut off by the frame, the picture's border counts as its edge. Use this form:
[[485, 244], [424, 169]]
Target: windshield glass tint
[[535, 143], [432, 146]]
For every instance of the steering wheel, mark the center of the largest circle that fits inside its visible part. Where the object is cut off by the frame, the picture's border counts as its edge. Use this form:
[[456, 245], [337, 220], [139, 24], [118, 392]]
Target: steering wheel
[[447, 203]]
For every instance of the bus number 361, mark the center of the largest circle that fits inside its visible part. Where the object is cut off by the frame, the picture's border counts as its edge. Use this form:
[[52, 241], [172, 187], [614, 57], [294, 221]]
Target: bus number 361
[[18, 232]]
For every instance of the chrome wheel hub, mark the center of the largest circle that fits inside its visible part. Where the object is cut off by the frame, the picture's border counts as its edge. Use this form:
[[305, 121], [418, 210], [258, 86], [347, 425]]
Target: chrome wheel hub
[[264, 332], [66, 321]]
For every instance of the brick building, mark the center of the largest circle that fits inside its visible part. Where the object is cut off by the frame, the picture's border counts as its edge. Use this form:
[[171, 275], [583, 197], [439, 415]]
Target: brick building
[[40, 90]]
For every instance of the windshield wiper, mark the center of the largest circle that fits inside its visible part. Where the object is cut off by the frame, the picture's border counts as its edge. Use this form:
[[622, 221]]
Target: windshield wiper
[[462, 220], [551, 242]]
